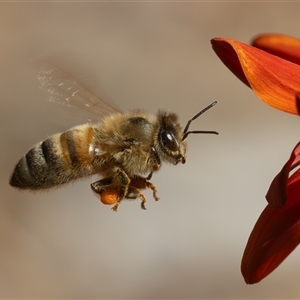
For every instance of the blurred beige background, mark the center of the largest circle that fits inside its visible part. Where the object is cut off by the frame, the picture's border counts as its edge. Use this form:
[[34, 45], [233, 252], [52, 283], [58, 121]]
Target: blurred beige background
[[65, 243]]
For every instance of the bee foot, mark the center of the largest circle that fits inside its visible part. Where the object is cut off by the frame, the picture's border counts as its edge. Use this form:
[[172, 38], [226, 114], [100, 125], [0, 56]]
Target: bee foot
[[143, 205], [115, 207]]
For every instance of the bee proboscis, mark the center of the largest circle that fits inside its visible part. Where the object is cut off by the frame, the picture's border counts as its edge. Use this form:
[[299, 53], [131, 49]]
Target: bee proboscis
[[124, 148]]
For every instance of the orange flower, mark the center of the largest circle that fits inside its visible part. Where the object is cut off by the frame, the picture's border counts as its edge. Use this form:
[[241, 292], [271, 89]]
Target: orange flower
[[276, 81], [280, 45]]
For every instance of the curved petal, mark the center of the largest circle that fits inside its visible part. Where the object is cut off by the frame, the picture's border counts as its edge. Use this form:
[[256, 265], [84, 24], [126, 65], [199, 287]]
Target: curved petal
[[274, 80], [280, 45], [230, 58], [277, 194], [275, 235]]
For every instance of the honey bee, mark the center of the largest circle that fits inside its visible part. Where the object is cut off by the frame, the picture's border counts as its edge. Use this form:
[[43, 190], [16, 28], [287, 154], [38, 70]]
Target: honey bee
[[124, 148]]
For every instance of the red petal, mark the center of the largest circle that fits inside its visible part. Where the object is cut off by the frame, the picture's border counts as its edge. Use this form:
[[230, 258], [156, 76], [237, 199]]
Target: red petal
[[281, 45], [274, 80], [277, 194], [277, 231], [275, 235]]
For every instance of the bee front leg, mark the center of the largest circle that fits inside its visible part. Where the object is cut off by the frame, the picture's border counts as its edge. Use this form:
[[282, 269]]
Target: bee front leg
[[153, 188], [134, 193], [140, 182]]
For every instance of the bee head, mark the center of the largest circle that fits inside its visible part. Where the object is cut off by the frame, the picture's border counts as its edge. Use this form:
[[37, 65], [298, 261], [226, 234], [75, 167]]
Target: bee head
[[172, 147], [172, 139]]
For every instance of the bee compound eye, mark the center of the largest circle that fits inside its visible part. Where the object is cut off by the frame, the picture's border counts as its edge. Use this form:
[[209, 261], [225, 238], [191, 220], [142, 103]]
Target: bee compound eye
[[169, 141]]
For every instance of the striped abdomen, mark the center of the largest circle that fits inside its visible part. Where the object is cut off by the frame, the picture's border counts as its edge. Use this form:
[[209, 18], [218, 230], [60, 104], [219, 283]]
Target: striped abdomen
[[59, 159]]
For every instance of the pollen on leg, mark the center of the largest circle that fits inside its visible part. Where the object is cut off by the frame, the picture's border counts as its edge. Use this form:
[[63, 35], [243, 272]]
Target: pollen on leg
[[109, 197]]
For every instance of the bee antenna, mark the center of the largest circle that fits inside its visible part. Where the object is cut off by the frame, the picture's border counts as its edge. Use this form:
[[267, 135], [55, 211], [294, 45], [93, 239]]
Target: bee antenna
[[186, 132]]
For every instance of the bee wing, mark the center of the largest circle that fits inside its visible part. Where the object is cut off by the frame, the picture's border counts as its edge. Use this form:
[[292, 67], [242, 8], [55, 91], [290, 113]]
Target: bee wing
[[65, 90]]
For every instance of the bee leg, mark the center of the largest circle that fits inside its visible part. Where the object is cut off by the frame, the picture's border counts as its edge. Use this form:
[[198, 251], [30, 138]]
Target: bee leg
[[149, 176], [143, 183], [153, 188], [124, 181], [99, 186], [119, 181], [134, 193], [115, 207]]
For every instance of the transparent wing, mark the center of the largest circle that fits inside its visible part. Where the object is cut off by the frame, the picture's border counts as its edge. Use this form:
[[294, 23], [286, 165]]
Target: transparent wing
[[65, 90]]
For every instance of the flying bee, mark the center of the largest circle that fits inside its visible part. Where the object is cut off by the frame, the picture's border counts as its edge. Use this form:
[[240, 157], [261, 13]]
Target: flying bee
[[124, 148]]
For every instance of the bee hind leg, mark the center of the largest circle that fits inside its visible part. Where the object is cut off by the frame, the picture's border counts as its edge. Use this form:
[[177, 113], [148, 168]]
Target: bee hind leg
[[119, 182], [101, 185], [115, 207]]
